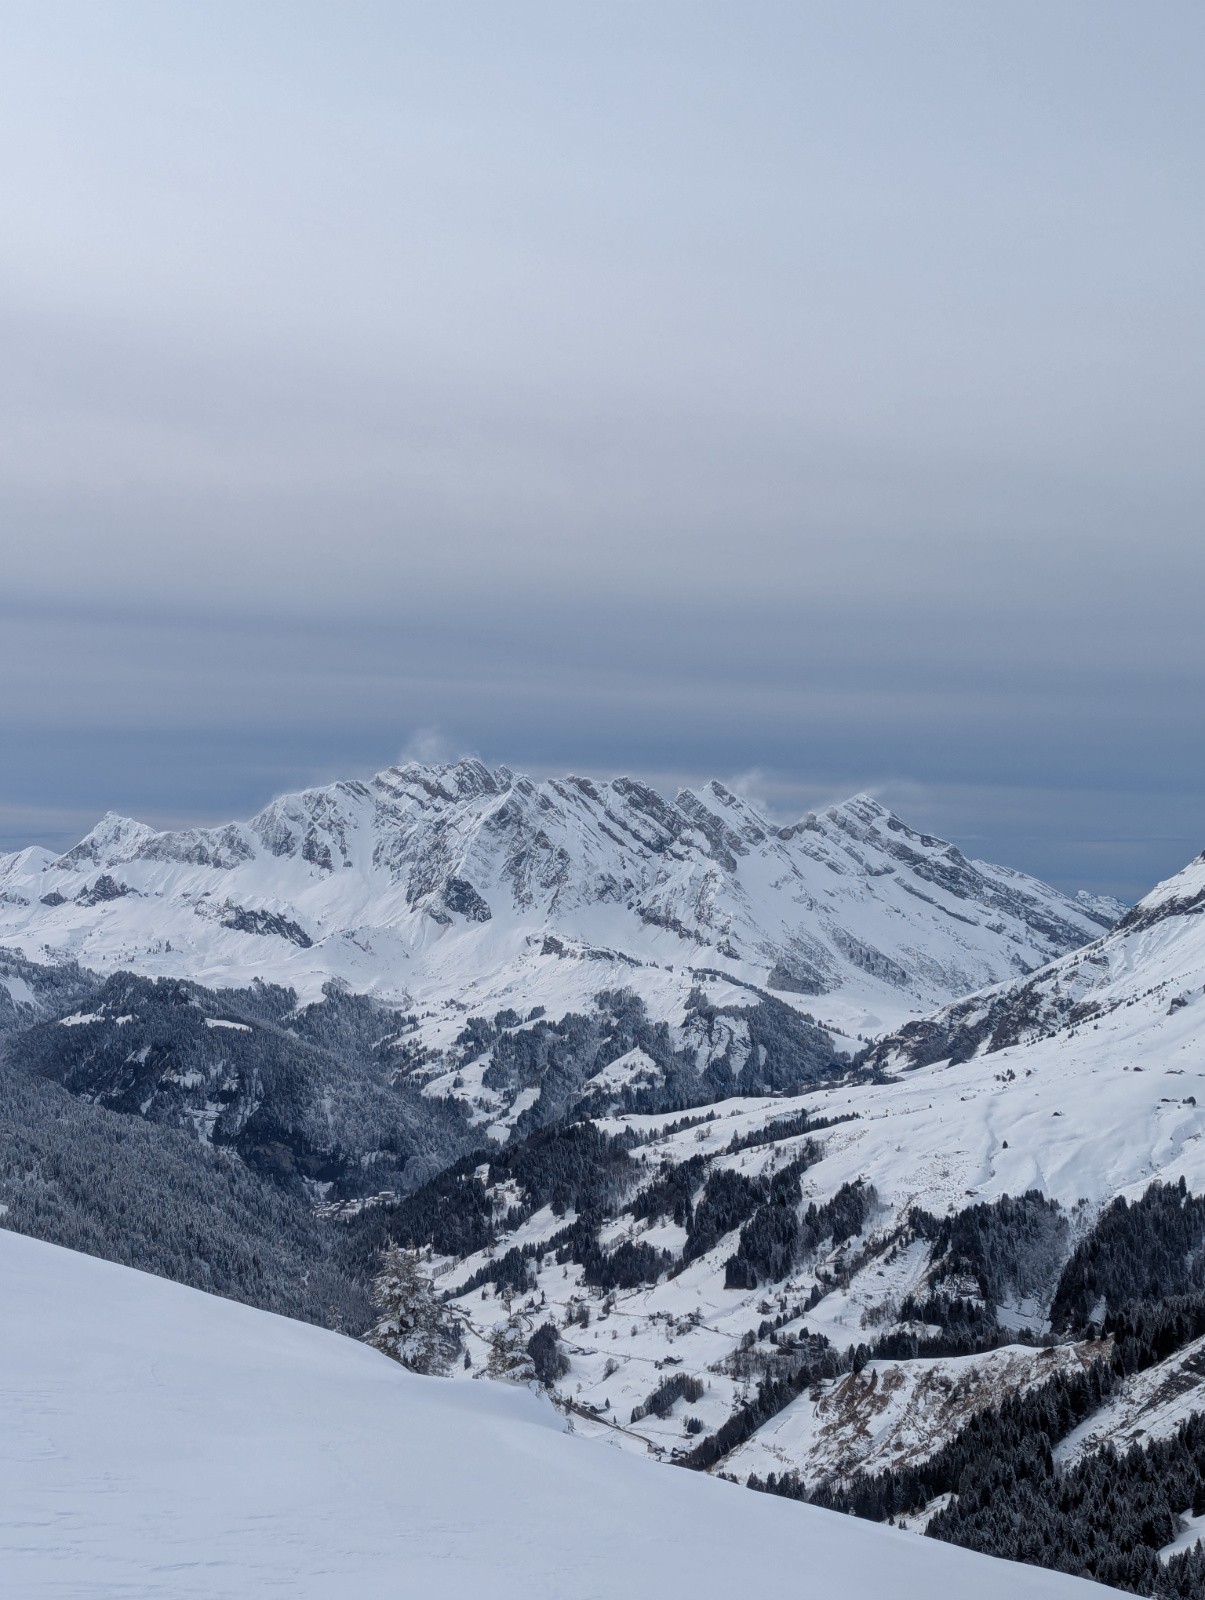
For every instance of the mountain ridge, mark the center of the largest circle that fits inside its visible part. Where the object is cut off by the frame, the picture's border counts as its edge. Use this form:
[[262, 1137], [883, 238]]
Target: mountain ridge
[[1081, 989], [848, 904]]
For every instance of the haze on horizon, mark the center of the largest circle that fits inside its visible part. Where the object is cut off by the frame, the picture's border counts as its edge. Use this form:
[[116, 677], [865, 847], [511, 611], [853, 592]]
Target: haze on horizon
[[803, 395]]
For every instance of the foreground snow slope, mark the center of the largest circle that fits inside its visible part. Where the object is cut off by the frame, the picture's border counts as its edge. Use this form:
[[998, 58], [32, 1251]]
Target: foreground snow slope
[[157, 1442], [460, 887]]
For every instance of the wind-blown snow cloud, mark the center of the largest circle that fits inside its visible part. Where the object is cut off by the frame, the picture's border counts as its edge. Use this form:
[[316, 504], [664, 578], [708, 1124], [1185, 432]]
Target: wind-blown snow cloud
[[812, 391]]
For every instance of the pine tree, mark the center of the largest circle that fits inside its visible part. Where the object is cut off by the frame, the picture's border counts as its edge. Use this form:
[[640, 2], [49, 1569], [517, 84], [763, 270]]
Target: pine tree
[[548, 1360], [509, 1357], [415, 1328]]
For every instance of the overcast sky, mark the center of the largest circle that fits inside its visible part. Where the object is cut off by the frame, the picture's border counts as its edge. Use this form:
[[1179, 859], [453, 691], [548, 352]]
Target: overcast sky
[[808, 395]]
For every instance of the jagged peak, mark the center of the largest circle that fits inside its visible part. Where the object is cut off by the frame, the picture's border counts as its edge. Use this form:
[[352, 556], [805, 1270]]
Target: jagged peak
[[865, 811], [862, 801], [870, 814], [625, 784], [454, 780], [116, 825], [733, 801], [862, 809], [113, 836]]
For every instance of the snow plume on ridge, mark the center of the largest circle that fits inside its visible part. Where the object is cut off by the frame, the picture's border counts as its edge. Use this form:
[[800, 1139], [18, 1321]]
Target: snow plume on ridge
[[426, 747]]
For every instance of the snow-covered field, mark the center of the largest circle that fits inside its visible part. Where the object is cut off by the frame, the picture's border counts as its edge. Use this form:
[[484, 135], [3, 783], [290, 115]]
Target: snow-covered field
[[160, 1444]]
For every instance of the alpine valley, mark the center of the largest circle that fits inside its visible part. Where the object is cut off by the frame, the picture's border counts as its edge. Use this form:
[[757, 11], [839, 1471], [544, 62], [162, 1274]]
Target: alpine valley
[[821, 1157]]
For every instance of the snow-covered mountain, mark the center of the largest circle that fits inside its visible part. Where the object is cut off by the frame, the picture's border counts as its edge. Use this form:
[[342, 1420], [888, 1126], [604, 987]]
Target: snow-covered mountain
[[1081, 1081], [451, 888], [1152, 963], [741, 1235], [155, 1440]]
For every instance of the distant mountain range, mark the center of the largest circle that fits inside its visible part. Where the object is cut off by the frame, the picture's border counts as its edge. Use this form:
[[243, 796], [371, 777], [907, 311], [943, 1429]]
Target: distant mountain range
[[453, 890]]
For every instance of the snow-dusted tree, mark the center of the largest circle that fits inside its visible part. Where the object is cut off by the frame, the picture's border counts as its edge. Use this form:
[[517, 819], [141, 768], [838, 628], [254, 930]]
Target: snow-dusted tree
[[509, 1356], [547, 1358], [415, 1328]]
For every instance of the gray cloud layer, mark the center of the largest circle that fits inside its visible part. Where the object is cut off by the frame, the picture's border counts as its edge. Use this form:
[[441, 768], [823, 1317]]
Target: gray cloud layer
[[810, 392]]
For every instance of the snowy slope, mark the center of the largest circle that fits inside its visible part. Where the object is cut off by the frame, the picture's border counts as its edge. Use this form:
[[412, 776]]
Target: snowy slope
[[157, 1442], [1090, 1070], [1101, 1092], [452, 887], [1149, 1405], [1152, 960], [1087, 1081]]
